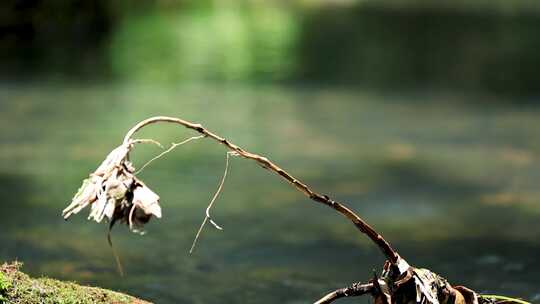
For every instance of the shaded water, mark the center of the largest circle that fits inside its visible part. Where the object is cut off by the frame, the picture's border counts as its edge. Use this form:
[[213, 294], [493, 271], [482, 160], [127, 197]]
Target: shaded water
[[450, 181]]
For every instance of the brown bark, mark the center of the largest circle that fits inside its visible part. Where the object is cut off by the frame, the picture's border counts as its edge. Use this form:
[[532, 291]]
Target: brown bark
[[358, 222]]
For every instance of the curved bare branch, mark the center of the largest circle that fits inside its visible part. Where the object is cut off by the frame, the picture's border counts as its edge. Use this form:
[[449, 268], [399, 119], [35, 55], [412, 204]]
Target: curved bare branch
[[360, 224]]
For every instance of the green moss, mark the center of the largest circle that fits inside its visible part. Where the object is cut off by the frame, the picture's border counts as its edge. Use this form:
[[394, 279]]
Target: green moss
[[17, 287], [5, 285]]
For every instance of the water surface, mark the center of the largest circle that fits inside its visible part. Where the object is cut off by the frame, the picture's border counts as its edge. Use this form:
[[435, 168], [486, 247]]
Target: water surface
[[451, 182]]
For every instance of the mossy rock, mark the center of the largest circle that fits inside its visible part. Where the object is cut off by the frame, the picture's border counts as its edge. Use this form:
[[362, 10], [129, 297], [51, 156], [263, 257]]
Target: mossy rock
[[17, 287]]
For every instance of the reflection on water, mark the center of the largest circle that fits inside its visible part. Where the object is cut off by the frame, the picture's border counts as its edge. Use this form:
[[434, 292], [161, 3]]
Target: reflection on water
[[451, 185]]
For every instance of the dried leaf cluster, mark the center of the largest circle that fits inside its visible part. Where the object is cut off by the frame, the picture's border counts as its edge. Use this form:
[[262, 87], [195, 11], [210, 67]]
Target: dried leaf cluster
[[115, 193], [422, 286]]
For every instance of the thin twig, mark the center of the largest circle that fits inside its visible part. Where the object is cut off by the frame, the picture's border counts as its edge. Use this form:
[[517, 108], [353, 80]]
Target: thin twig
[[147, 141], [115, 254], [359, 223], [207, 214], [354, 290], [198, 235], [172, 147], [220, 188], [130, 217]]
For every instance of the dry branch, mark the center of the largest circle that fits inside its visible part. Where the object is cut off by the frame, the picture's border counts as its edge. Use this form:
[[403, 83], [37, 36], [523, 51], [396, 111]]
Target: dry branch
[[360, 224], [355, 290], [115, 193]]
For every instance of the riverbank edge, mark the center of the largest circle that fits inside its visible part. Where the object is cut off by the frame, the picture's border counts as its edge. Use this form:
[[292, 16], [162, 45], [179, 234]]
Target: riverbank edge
[[18, 287]]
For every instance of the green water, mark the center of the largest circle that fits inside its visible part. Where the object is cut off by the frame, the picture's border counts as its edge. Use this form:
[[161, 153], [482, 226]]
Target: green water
[[451, 181]]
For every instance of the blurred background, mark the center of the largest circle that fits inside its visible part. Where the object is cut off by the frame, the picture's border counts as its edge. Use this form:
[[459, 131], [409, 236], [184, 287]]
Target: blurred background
[[421, 115]]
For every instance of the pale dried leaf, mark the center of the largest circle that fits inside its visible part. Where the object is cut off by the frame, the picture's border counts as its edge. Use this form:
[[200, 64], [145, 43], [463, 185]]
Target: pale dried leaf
[[84, 196], [147, 200], [98, 207], [115, 158], [109, 208]]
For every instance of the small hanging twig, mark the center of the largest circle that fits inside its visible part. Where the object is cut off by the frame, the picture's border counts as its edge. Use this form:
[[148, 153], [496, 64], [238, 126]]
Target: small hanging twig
[[115, 254], [130, 217], [207, 216]]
